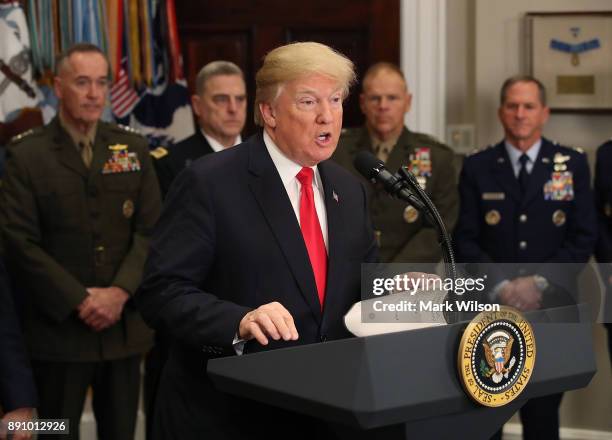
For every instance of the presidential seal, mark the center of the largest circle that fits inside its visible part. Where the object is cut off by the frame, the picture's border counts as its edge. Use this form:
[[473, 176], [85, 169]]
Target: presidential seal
[[496, 356]]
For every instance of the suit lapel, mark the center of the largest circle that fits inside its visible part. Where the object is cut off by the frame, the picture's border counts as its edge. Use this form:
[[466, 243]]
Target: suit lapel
[[336, 253], [504, 173], [67, 152], [268, 189], [540, 173]]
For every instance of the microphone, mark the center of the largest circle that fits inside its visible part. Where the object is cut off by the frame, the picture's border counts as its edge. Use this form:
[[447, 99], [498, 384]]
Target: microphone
[[372, 168], [395, 184]]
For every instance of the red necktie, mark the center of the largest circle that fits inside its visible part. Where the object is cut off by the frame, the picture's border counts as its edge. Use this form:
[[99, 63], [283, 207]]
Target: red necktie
[[311, 231]]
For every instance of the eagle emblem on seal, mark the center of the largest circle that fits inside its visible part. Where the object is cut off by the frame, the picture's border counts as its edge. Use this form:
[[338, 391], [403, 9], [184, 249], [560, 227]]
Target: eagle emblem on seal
[[497, 350]]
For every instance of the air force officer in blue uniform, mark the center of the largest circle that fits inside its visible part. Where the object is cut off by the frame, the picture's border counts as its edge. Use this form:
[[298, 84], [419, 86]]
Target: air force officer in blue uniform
[[527, 200]]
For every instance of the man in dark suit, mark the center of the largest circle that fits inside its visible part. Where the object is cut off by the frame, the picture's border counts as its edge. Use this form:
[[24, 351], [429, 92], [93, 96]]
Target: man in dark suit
[[258, 247], [603, 250], [220, 107], [404, 236], [80, 199], [527, 202], [17, 391]]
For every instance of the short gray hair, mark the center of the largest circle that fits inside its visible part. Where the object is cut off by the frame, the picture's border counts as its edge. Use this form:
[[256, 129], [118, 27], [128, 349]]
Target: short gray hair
[[63, 57], [526, 79], [215, 68]]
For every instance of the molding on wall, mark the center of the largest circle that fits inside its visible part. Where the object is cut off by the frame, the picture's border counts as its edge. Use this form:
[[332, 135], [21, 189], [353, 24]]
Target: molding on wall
[[423, 60], [515, 431]]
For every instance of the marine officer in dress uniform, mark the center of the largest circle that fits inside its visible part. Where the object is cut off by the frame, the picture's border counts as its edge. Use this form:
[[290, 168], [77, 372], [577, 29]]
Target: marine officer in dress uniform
[[402, 232], [220, 107], [603, 249], [527, 200], [80, 199]]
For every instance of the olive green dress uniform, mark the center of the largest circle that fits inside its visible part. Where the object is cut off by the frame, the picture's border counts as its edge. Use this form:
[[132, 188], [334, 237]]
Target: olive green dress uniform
[[403, 234], [69, 227]]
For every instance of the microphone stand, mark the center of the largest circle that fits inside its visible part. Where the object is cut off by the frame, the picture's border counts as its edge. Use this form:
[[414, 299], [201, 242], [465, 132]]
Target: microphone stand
[[433, 216]]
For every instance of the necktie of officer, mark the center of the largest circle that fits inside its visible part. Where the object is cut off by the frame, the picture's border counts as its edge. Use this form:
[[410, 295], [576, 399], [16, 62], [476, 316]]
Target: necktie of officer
[[311, 231], [523, 176], [86, 153]]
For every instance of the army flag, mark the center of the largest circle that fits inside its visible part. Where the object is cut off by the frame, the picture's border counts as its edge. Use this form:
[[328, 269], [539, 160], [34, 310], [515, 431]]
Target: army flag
[[17, 88]]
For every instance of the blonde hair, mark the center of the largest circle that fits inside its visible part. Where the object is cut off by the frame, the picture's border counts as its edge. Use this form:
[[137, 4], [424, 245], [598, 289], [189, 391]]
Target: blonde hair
[[292, 61]]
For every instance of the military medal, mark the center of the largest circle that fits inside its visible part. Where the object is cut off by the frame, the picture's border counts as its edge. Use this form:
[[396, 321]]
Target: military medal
[[558, 217], [560, 187], [492, 217], [128, 208], [121, 160], [420, 165], [575, 49], [410, 214]]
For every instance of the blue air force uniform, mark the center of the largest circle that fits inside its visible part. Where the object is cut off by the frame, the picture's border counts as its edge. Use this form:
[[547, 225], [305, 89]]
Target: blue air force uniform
[[551, 221], [603, 250]]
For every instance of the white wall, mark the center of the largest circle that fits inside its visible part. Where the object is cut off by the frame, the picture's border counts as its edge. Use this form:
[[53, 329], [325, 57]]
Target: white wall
[[485, 45], [500, 53]]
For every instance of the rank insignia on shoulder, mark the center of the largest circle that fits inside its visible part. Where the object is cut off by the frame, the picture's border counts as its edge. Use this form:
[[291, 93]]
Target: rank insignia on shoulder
[[128, 129], [20, 136], [121, 161], [159, 152]]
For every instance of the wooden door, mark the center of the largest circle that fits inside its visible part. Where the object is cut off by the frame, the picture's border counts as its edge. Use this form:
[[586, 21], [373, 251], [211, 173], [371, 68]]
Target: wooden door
[[243, 31]]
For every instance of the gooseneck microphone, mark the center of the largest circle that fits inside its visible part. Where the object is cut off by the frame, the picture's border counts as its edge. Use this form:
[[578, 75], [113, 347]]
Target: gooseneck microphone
[[373, 169], [405, 187]]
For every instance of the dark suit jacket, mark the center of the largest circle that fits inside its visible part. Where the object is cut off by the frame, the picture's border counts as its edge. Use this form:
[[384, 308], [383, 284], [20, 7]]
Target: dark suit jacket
[[68, 228], [16, 382], [227, 242], [179, 157], [526, 234]]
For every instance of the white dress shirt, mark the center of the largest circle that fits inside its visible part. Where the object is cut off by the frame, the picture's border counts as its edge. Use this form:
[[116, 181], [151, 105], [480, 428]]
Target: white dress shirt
[[514, 154], [215, 145], [288, 170]]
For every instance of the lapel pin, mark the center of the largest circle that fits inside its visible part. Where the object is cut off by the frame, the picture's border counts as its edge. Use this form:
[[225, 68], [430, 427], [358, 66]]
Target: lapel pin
[[335, 196]]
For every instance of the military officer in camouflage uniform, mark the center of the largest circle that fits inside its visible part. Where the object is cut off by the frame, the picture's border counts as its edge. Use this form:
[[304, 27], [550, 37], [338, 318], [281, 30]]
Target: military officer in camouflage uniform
[[527, 202], [80, 200], [220, 107], [402, 232]]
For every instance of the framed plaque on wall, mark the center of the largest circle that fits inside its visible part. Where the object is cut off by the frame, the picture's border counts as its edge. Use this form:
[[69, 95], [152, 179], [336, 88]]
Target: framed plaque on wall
[[571, 53]]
